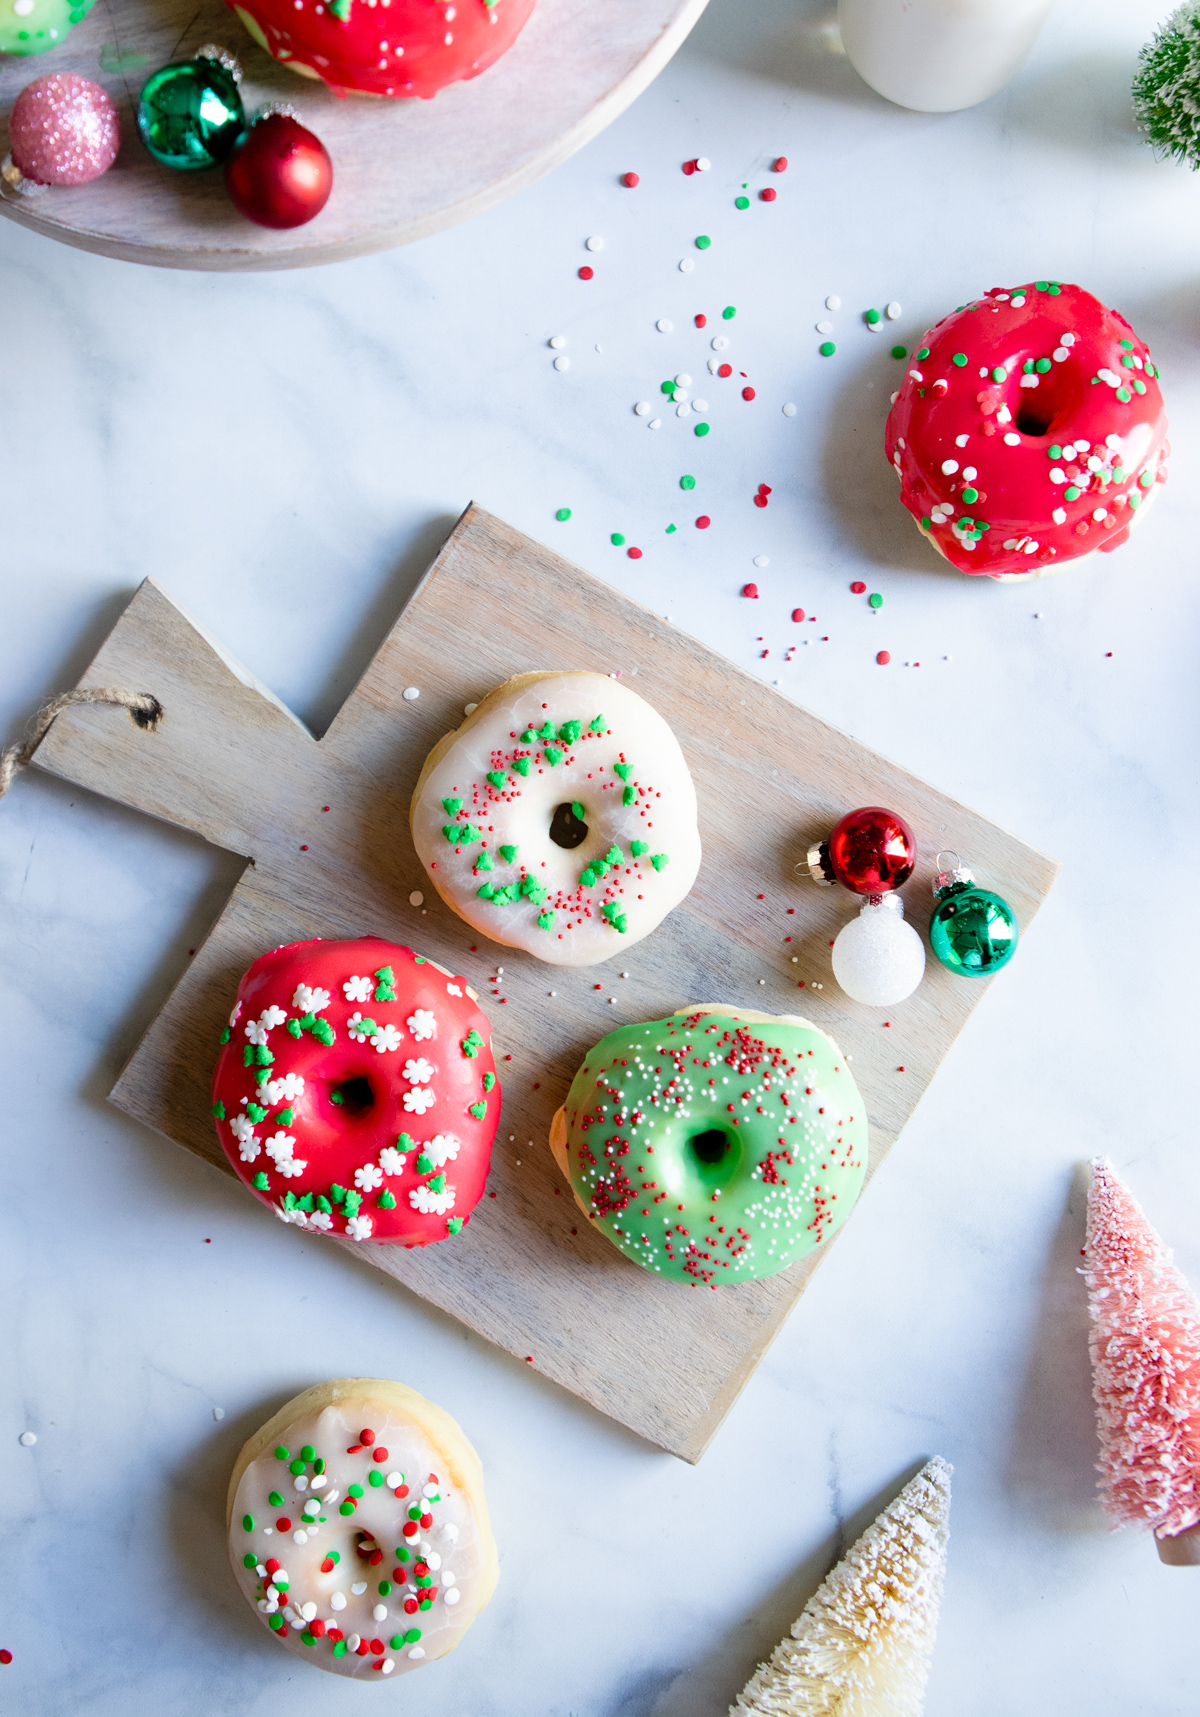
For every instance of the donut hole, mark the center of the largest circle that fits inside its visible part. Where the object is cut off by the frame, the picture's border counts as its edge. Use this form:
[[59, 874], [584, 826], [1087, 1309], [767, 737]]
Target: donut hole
[[353, 1096], [1048, 408], [567, 827], [710, 1148]]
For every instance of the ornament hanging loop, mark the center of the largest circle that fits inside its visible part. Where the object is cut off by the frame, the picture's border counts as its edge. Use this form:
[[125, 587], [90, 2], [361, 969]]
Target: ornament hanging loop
[[145, 712]]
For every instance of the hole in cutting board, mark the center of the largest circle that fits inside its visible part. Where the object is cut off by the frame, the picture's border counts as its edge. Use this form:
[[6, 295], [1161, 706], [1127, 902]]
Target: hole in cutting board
[[567, 827]]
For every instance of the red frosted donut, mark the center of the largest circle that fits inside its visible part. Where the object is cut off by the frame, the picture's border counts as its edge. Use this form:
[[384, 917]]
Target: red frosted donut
[[1028, 431], [385, 47], [356, 1093]]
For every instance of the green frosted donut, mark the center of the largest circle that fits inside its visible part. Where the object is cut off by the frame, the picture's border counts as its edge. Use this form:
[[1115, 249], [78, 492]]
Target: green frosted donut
[[716, 1146], [36, 26]]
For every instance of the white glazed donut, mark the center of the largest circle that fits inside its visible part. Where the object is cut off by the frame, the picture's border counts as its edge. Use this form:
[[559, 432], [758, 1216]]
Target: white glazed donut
[[358, 1528], [559, 818]]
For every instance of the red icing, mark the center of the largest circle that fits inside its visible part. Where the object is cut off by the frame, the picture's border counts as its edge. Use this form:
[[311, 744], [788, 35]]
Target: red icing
[[333, 1141], [362, 51], [1016, 495]]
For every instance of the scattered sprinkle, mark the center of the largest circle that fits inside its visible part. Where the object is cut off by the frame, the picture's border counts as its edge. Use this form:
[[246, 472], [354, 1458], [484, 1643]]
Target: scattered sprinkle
[[411, 694], [893, 311], [562, 362], [768, 195], [875, 599], [827, 348], [27, 1439], [789, 410], [630, 180], [595, 243], [762, 560], [558, 342], [750, 590], [664, 326], [779, 165], [883, 658], [416, 898], [563, 514], [833, 302], [586, 273]]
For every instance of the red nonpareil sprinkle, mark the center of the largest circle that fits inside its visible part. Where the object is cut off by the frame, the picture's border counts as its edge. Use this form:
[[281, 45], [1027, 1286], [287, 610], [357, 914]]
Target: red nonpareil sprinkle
[[410, 1526], [700, 321], [410, 1606], [586, 273], [366, 1438], [317, 1629], [324, 807], [354, 1449], [303, 849], [327, 1566], [273, 1566], [283, 1524], [634, 553], [747, 393], [5, 1656], [760, 500], [529, 1359], [703, 522], [629, 180], [899, 1070], [797, 613], [769, 195], [725, 370], [764, 488], [857, 588], [380, 1455], [750, 590], [690, 166], [883, 658], [779, 165]]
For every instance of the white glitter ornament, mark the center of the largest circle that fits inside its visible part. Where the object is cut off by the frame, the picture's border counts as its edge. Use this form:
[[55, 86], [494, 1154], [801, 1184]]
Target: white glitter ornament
[[878, 959]]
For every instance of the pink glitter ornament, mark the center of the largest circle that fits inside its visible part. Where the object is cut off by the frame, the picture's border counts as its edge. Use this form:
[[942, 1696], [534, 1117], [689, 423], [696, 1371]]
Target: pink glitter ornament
[[64, 130], [1145, 1349]]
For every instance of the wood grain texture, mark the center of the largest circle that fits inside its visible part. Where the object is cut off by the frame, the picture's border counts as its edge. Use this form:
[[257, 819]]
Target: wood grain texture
[[403, 168], [230, 762]]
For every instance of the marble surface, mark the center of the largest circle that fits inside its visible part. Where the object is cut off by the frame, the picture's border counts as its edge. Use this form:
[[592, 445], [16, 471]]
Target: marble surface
[[285, 453]]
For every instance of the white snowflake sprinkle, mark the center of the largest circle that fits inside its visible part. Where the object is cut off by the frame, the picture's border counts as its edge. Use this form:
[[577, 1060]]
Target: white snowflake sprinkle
[[236, 1015], [418, 1100], [392, 1161], [453, 990], [255, 1032], [352, 1026], [243, 1131], [387, 1037], [422, 1024], [290, 1169], [280, 1146], [270, 1017], [418, 1072], [359, 1227], [443, 1148], [310, 1001], [431, 1203], [368, 1177], [289, 1087], [320, 1219], [357, 989]]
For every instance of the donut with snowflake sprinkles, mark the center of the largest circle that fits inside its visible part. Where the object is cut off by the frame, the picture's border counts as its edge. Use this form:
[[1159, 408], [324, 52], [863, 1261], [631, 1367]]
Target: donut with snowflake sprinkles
[[385, 47], [358, 1528], [559, 818], [355, 1093], [717, 1146], [1029, 431]]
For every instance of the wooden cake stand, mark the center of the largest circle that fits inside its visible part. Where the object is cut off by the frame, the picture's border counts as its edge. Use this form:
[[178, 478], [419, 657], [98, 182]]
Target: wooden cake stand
[[403, 169]]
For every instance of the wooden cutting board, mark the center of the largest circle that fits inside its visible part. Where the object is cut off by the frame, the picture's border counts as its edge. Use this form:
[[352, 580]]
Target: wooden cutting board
[[402, 169], [233, 764]]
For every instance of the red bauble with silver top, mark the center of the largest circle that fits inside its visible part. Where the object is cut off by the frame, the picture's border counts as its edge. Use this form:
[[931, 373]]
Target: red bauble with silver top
[[871, 851], [279, 174]]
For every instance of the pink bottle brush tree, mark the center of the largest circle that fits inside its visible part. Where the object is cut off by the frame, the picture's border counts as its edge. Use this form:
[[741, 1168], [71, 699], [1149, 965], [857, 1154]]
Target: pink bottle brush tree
[[1145, 1349]]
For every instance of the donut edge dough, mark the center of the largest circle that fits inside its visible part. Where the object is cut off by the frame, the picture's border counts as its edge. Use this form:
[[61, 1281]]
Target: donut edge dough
[[510, 688], [1041, 571], [462, 1463], [558, 1124]]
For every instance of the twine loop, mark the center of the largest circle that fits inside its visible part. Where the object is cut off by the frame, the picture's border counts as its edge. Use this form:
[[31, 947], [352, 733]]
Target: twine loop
[[145, 712]]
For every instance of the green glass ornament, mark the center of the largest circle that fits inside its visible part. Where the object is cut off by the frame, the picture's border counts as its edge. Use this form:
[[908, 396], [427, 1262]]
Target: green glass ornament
[[190, 113], [972, 932]]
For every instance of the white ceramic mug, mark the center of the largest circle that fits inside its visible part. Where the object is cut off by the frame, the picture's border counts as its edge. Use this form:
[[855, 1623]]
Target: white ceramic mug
[[939, 55]]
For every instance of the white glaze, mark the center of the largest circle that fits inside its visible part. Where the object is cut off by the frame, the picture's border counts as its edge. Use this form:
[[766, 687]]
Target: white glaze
[[518, 813], [348, 1596]]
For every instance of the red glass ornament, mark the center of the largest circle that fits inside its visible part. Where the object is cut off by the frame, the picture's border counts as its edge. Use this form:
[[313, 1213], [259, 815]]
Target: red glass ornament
[[872, 851], [279, 174]]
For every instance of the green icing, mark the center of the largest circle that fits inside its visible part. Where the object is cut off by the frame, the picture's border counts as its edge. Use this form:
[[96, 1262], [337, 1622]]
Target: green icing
[[454, 1224], [612, 912], [470, 1046], [508, 854], [614, 855], [479, 1110], [578, 811], [628, 796], [452, 807], [553, 754], [624, 770], [569, 732], [218, 1109], [260, 1182], [775, 1201], [597, 725], [660, 861], [545, 920], [386, 1201], [256, 1112], [226, 1034], [497, 778], [637, 848], [425, 1165], [484, 861], [489, 1081], [522, 765]]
